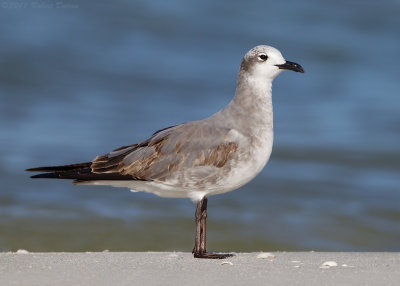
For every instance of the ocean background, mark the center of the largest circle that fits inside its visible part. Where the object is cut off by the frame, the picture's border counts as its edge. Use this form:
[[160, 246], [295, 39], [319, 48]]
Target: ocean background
[[81, 78]]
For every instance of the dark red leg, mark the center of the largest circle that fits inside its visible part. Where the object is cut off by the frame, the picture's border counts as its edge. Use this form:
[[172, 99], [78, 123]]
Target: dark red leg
[[199, 250]]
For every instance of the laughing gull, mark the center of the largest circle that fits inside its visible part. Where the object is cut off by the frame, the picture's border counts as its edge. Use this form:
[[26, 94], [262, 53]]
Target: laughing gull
[[200, 158]]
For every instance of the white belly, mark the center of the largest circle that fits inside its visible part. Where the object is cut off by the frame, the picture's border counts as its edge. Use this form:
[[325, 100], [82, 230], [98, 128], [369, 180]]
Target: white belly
[[242, 169]]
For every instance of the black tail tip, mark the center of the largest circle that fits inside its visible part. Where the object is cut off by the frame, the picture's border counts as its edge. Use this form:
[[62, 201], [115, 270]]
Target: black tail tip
[[45, 176]]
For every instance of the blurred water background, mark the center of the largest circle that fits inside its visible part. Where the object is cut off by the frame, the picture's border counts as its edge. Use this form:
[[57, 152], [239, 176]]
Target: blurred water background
[[80, 78]]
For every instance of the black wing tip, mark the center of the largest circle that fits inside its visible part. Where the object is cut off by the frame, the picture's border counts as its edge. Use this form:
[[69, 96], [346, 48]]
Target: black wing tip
[[60, 168], [38, 169], [45, 176], [86, 175]]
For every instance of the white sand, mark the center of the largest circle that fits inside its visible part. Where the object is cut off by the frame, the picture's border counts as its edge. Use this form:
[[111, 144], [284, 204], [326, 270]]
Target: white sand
[[166, 268]]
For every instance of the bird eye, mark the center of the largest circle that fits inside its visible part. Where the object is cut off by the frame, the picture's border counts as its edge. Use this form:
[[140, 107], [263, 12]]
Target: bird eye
[[263, 57]]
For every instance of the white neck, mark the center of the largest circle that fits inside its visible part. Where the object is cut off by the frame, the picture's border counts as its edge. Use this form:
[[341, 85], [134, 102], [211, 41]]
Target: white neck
[[252, 105]]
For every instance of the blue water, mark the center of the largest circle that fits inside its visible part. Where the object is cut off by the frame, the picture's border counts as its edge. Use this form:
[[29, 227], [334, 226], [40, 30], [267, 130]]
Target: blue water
[[80, 79]]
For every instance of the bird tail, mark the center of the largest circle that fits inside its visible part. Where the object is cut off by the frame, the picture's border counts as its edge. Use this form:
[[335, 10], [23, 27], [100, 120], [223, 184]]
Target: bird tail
[[63, 168], [73, 171], [79, 172]]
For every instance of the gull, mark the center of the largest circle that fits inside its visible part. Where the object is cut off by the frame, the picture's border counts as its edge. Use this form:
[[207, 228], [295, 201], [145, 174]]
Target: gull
[[200, 158]]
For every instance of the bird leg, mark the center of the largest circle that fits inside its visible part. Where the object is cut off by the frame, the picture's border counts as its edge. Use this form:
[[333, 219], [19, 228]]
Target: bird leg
[[198, 228], [199, 250], [203, 225]]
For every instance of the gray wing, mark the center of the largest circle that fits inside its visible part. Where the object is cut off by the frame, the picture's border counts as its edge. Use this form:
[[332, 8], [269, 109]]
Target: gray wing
[[170, 151]]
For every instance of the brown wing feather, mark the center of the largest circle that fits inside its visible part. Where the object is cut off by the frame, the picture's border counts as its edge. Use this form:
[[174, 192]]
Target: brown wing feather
[[168, 150]]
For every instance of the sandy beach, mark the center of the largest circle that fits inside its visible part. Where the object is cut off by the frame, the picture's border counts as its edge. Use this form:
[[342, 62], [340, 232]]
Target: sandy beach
[[177, 268]]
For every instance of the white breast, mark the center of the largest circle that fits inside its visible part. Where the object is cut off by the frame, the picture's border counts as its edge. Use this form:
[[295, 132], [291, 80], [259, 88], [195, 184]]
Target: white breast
[[249, 164]]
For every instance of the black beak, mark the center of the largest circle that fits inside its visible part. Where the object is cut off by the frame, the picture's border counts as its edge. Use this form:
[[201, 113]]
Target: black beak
[[291, 66]]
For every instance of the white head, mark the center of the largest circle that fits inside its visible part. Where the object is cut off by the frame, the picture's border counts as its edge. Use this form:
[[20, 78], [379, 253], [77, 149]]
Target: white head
[[266, 62]]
